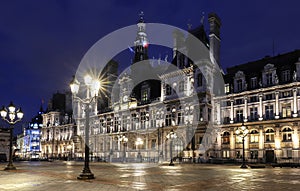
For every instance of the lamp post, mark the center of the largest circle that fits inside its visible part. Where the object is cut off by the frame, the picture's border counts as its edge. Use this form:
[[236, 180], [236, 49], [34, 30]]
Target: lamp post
[[12, 116], [92, 90], [139, 142], [124, 140], [172, 135], [242, 132]]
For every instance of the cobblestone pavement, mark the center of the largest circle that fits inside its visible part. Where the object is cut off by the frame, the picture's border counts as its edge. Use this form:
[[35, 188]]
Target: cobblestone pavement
[[62, 176]]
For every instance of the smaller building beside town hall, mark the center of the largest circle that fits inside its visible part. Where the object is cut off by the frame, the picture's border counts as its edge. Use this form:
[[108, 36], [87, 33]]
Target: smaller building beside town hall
[[265, 96]]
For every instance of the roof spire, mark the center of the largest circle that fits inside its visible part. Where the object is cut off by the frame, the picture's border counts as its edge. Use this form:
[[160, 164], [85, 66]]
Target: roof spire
[[202, 18], [141, 17]]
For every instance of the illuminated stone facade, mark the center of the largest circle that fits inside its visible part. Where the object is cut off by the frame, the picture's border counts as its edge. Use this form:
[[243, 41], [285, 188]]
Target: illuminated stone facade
[[183, 105], [265, 96]]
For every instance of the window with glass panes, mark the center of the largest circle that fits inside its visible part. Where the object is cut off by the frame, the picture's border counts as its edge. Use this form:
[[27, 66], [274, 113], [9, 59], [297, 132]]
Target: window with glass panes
[[239, 84], [269, 135], [254, 136], [239, 115], [253, 113], [269, 111], [287, 134], [143, 120], [168, 89], [286, 110], [286, 75], [269, 78]]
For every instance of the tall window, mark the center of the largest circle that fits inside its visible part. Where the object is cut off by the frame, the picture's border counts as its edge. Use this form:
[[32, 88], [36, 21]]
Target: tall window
[[269, 78], [239, 115], [168, 89], [254, 136], [253, 113], [269, 111], [117, 124], [179, 118], [109, 125], [181, 86], [152, 119], [286, 110], [239, 84], [145, 95], [269, 135], [134, 121], [199, 80], [124, 123], [253, 82], [287, 134], [168, 119], [227, 88], [286, 75], [143, 120]]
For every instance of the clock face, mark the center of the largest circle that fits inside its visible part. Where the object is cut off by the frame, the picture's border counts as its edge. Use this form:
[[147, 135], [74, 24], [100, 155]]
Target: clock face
[[125, 98]]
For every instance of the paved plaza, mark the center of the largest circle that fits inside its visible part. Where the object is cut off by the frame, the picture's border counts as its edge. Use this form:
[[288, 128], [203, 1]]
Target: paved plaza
[[62, 176]]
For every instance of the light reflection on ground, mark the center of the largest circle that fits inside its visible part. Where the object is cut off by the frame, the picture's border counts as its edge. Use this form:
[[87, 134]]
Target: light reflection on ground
[[143, 176]]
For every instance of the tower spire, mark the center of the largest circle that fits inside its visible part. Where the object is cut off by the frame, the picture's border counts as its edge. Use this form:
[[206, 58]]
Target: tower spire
[[141, 41]]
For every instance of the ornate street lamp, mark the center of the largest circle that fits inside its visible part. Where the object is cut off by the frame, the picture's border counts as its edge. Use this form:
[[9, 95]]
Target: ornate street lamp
[[124, 140], [242, 132], [92, 90], [172, 135], [139, 142], [11, 116]]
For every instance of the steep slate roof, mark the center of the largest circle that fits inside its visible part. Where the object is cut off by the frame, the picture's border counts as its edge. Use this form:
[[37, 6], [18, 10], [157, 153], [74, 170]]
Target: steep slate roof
[[254, 68]]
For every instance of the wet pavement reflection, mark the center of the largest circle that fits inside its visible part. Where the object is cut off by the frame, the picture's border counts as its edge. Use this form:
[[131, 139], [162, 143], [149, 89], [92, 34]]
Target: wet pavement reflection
[[60, 175]]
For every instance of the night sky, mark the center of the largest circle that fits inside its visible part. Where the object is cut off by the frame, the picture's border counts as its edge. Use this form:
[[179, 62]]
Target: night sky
[[43, 41]]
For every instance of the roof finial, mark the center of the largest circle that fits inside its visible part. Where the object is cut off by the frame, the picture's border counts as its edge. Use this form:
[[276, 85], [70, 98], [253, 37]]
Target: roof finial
[[202, 18], [189, 24]]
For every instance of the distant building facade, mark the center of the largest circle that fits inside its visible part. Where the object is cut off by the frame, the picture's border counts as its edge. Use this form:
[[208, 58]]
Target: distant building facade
[[32, 137], [57, 139], [265, 96]]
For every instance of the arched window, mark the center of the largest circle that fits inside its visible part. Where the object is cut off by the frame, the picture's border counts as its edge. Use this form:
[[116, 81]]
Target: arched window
[[269, 135], [199, 80], [287, 134], [254, 136], [226, 137]]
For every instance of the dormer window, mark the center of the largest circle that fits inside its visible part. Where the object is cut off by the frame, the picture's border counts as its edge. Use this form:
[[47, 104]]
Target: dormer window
[[269, 75], [168, 89], [239, 84], [269, 79], [253, 82], [239, 81], [285, 76], [227, 88]]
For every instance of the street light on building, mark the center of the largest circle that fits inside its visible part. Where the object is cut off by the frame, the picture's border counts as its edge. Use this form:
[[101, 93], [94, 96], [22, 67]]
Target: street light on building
[[92, 90], [11, 115], [172, 135], [139, 142], [242, 132], [124, 140]]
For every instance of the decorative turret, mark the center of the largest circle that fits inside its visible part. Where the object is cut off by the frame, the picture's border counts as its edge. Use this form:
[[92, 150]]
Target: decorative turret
[[141, 41]]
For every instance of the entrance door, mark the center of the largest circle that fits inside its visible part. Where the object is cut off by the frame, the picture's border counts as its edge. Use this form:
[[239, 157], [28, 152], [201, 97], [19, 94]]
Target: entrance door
[[270, 156]]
